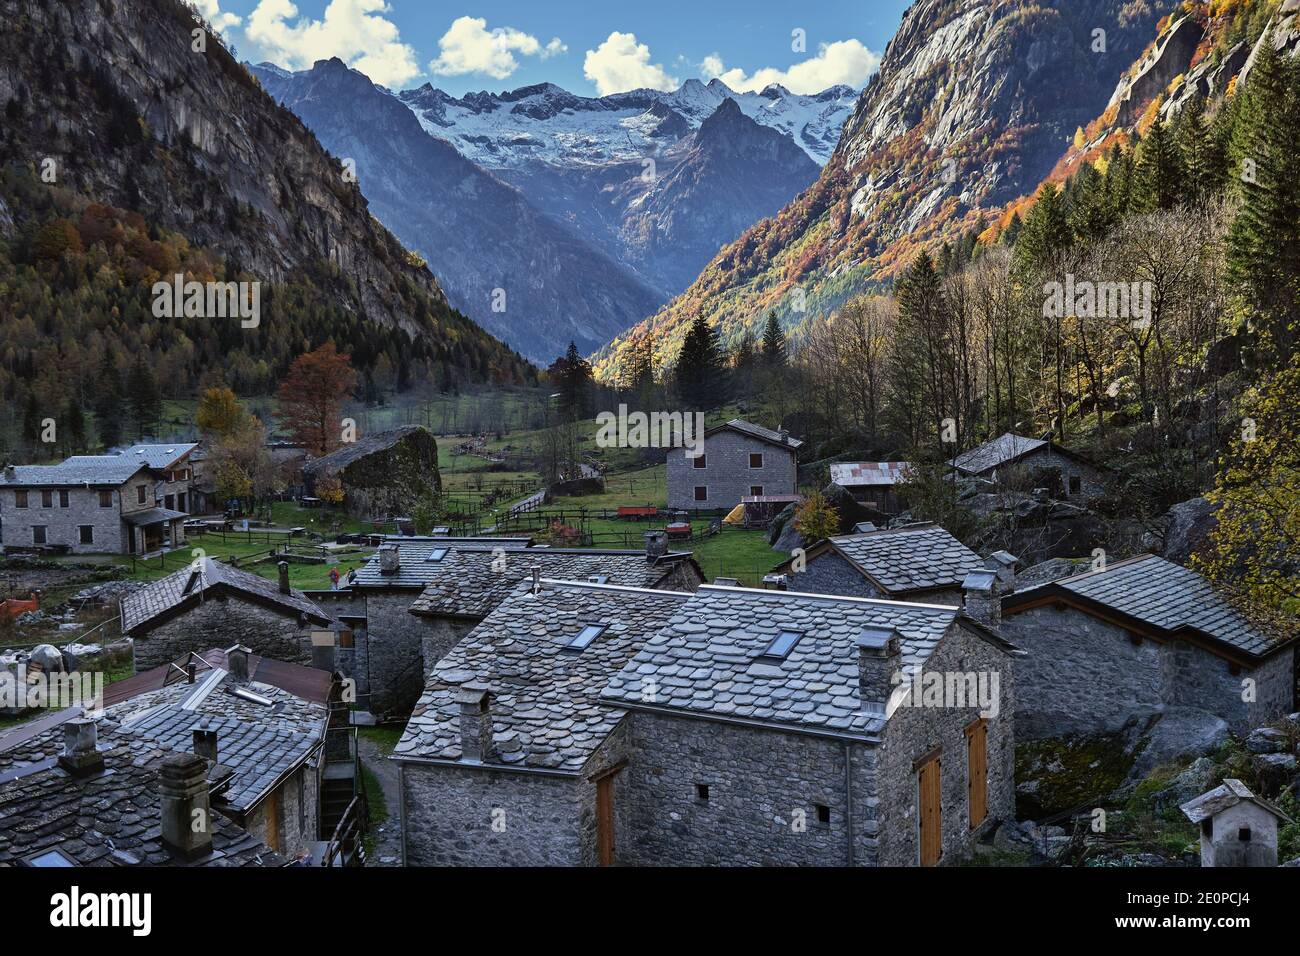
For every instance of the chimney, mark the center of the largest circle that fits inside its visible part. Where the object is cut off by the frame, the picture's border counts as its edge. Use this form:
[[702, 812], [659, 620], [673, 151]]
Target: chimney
[[205, 743], [237, 662], [475, 723], [323, 645], [389, 559], [879, 659], [656, 545], [284, 577], [10, 472], [537, 580], [1003, 563], [81, 756], [982, 598], [726, 582], [776, 582], [191, 671], [186, 806]]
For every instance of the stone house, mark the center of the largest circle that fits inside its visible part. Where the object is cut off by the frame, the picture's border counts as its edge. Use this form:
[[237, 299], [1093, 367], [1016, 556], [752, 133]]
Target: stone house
[[1141, 636], [209, 603], [131, 502], [383, 474], [1237, 827], [740, 460], [917, 562], [743, 727], [871, 483], [1042, 463], [226, 731]]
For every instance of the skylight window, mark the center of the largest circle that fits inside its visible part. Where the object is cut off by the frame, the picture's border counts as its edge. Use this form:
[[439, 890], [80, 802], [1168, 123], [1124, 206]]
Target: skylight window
[[586, 636], [49, 858], [598, 579], [781, 647], [437, 554]]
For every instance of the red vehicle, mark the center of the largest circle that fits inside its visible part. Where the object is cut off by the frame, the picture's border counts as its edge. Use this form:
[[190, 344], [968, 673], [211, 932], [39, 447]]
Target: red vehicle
[[637, 513]]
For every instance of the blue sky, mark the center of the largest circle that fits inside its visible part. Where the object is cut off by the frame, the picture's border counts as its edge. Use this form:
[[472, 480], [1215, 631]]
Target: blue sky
[[589, 48]]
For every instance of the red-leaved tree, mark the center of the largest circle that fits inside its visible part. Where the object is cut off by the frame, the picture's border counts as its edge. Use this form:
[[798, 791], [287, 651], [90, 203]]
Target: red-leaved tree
[[310, 399]]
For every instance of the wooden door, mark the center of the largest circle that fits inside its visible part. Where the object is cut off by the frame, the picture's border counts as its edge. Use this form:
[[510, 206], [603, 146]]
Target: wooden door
[[931, 822], [977, 772], [273, 820], [605, 820]]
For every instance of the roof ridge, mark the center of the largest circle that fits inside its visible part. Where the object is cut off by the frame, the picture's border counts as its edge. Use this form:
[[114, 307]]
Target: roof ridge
[[832, 598], [594, 586]]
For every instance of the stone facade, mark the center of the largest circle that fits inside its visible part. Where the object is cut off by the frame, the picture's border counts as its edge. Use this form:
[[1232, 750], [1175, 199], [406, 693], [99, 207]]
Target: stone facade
[[288, 818], [1080, 482], [727, 473], [831, 573], [394, 651], [1221, 837], [1082, 674], [63, 524], [223, 621]]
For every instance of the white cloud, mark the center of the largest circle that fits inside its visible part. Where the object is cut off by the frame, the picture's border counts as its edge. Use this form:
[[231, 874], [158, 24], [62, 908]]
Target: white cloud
[[210, 10], [352, 30], [470, 47], [845, 62], [620, 64]]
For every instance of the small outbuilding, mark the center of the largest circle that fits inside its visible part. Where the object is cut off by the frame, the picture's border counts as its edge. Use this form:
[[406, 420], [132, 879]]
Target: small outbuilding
[[871, 483], [1237, 827]]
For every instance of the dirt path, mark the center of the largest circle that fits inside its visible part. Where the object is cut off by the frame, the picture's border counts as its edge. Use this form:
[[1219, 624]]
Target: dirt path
[[388, 836]]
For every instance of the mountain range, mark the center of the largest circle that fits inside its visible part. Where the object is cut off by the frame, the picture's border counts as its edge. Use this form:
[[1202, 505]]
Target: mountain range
[[550, 217]]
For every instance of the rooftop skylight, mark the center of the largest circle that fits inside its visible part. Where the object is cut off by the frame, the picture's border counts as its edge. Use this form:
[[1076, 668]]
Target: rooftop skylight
[[584, 637], [781, 647]]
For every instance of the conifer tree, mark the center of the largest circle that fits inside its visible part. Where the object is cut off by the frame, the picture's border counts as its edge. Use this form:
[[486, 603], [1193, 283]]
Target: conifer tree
[[1046, 232], [1160, 176], [143, 397], [699, 366], [108, 405], [774, 355]]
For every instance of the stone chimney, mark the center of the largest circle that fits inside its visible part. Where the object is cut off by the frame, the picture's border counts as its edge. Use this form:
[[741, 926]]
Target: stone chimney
[[656, 545], [11, 472], [390, 559], [81, 756], [1004, 563], [880, 657], [205, 743], [475, 723], [776, 582], [186, 806], [284, 577], [237, 662], [982, 598]]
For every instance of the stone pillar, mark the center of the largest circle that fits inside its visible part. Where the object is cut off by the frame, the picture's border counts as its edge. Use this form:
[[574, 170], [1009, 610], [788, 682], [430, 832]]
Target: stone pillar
[[982, 598], [81, 755], [283, 567], [185, 806], [879, 659], [475, 723], [656, 545]]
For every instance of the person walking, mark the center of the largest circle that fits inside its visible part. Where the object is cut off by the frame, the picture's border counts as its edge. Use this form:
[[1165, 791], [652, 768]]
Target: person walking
[[334, 579]]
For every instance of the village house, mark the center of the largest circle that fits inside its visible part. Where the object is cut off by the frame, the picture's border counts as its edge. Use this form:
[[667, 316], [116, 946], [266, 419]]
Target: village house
[[1140, 636], [131, 502], [384, 474], [739, 460], [917, 562], [243, 736], [1033, 463], [871, 483], [608, 725], [208, 603]]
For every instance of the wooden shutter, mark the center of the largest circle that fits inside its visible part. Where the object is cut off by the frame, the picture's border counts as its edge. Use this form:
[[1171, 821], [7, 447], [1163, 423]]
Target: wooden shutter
[[605, 820], [931, 820], [977, 772]]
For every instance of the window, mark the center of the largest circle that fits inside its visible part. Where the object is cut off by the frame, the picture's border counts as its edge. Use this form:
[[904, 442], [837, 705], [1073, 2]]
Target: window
[[781, 647], [1243, 834], [105, 498], [823, 814], [701, 492], [47, 858], [755, 459], [699, 461], [1076, 485], [598, 579], [437, 554], [38, 534], [140, 491], [86, 533], [47, 499], [702, 792], [20, 499], [180, 501], [585, 637], [169, 502], [63, 498], [756, 491]]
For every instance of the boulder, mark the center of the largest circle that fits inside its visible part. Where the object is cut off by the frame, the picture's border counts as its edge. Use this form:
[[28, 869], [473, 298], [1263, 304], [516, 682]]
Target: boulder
[[783, 518], [1267, 740], [47, 657], [78, 657], [1274, 771], [1185, 528], [1177, 732], [789, 539], [1194, 780]]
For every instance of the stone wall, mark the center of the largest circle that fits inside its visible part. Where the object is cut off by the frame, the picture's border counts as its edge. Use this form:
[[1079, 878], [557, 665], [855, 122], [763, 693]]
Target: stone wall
[[223, 621], [394, 640], [1092, 485], [914, 732], [295, 814], [441, 634], [62, 524], [449, 816], [727, 473], [830, 573]]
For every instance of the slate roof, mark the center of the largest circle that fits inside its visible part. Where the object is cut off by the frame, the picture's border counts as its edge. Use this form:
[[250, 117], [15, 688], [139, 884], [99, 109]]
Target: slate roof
[[338, 460], [108, 819], [706, 658], [757, 431], [853, 474], [415, 567], [153, 516], [1228, 794], [112, 469], [464, 582], [913, 558], [198, 580], [1162, 595], [545, 700], [992, 454], [160, 456]]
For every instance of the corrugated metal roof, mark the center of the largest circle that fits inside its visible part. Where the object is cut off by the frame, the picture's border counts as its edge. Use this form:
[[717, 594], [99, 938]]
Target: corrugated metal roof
[[850, 474]]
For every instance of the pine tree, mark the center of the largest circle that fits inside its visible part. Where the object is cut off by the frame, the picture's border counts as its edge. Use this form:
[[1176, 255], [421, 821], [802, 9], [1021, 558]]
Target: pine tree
[[699, 366], [1161, 179], [108, 405], [72, 428], [572, 376], [774, 354], [1198, 151], [143, 397], [1089, 210], [1046, 232]]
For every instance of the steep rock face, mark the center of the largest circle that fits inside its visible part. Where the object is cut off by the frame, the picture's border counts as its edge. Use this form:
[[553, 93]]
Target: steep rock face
[[479, 234], [189, 140], [972, 106]]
